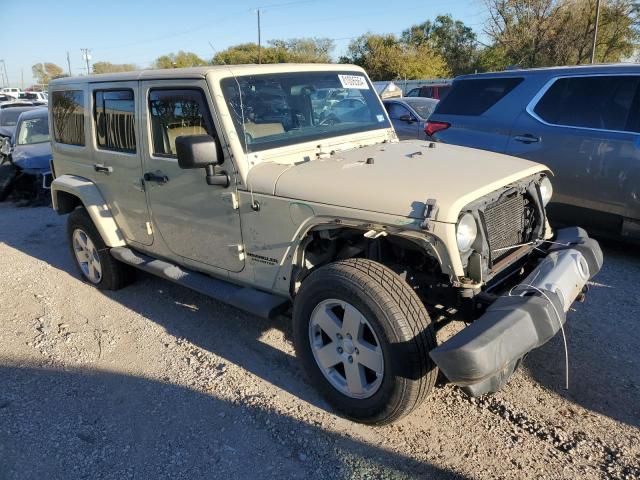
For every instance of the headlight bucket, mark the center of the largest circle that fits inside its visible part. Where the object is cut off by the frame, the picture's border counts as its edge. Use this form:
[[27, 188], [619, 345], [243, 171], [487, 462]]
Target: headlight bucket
[[546, 190], [466, 232]]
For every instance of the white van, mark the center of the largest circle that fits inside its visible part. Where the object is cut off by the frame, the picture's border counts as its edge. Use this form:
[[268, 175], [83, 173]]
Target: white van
[[11, 91]]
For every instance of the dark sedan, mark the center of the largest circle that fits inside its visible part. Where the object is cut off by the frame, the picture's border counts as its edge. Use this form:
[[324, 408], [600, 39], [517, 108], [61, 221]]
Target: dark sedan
[[409, 115]]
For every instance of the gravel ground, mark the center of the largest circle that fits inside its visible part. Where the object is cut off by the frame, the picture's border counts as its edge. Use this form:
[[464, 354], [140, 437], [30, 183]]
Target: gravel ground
[[156, 381]]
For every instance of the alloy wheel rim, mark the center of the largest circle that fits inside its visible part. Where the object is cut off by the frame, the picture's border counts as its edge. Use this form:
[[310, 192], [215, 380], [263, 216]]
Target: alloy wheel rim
[[346, 348], [87, 256]]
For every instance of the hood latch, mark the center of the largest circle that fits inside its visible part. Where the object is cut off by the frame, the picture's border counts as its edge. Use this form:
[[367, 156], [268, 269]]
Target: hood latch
[[430, 213]]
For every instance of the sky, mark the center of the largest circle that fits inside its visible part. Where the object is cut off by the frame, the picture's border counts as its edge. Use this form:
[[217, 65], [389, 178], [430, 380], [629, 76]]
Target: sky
[[139, 31]]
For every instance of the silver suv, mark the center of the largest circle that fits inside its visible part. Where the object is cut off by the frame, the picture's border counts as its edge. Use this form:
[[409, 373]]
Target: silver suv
[[240, 183]]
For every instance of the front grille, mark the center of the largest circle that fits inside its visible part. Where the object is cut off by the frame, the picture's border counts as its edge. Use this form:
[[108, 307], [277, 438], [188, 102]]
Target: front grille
[[509, 222]]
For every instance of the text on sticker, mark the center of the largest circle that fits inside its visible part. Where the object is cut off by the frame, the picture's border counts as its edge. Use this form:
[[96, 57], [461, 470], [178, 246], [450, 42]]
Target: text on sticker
[[353, 81]]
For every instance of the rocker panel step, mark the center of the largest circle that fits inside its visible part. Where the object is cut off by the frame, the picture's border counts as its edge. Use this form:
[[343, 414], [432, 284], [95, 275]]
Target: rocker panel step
[[262, 304]]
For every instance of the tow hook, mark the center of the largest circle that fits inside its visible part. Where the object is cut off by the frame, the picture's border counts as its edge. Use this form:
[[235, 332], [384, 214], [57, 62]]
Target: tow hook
[[583, 294]]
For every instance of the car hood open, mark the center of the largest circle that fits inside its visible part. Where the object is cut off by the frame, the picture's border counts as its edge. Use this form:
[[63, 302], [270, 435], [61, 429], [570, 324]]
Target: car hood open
[[395, 178]]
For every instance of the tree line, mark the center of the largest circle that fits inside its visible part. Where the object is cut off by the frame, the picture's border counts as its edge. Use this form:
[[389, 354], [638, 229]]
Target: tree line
[[520, 33]]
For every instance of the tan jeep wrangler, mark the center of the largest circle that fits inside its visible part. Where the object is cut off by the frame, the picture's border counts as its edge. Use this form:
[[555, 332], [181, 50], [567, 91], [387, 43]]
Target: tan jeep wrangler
[[284, 189]]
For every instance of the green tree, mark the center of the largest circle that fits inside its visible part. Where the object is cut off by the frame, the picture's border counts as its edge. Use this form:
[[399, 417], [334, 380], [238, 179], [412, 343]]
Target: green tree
[[179, 60], [295, 50], [43, 72], [386, 58], [306, 50], [534, 33], [107, 67], [452, 39]]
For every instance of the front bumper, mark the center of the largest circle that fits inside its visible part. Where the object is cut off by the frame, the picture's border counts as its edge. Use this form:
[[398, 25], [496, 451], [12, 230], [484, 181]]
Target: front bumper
[[482, 357]]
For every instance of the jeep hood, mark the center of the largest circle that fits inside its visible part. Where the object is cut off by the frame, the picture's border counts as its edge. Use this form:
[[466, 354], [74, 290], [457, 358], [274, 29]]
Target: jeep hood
[[397, 179]]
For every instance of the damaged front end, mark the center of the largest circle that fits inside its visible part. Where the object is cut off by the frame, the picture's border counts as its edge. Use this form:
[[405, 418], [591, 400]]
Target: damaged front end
[[482, 357], [519, 284]]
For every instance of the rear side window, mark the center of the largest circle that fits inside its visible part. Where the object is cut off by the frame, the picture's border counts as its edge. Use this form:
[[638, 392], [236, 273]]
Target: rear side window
[[67, 111], [114, 118], [600, 102], [474, 97], [177, 113]]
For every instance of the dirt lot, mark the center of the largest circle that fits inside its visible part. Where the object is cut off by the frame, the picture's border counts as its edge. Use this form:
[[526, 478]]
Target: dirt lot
[[155, 381]]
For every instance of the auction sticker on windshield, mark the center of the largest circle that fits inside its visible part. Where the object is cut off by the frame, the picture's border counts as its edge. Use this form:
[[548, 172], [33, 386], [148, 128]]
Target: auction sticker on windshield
[[353, 81]]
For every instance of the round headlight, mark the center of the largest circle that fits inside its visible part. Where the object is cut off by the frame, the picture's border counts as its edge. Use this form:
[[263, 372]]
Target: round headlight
[[466, 232], [546, 190]]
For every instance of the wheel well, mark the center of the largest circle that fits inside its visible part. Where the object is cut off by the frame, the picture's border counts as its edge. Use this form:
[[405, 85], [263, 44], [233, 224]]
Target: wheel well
[[66, 202], [407, 257]]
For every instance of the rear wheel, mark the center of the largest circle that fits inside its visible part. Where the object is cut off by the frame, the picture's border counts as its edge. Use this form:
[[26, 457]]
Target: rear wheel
[[91, 255], [363, 337]]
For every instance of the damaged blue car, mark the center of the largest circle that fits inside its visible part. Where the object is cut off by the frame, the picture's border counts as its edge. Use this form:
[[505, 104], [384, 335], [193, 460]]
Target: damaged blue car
[[27, 165]]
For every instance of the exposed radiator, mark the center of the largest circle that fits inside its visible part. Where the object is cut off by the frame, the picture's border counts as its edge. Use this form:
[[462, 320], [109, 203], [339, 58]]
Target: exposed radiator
[[508, 223]]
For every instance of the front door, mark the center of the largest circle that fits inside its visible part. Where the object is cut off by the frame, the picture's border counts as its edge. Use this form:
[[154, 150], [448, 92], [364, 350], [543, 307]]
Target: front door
[[117, 156], [196, 221]]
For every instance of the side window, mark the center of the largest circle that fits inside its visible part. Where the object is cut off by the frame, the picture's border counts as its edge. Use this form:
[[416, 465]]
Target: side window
[[601, 102], [476, 96], [396, 111], [67, 111], [114, 118], [175, 113], [415, 92]]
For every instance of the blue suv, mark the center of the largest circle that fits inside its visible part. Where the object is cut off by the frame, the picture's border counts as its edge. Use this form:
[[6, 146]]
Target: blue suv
[[583, 122]]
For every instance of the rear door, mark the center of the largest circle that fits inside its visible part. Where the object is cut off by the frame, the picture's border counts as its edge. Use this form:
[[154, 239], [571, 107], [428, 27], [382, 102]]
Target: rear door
[[197, 221], [116, 156], [586, 129]]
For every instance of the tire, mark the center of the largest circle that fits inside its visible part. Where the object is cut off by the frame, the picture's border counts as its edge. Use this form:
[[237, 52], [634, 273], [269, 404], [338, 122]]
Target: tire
[[393, 321], [113, 274], [8, 174]]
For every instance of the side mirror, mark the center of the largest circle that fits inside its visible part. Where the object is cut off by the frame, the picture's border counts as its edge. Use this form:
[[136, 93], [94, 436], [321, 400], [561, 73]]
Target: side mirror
[[406, 118], [197, 151], [201, 151]]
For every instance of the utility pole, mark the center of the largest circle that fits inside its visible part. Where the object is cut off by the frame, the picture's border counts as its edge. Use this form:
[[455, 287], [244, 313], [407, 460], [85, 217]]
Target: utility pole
[[69, 63], [259, 41], [22, 79], [595, 33], [5, 76], [86, 55]]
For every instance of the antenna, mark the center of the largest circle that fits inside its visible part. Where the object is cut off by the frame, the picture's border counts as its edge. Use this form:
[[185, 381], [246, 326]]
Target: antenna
[[255, 206], [215, 51]]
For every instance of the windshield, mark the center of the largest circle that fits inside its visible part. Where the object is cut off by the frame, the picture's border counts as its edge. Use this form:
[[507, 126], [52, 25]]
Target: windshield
[[424, 109], [33, 130], [275, 110]]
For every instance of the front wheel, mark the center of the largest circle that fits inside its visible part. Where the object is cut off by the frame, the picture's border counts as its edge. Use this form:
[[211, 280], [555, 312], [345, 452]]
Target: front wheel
[[364, 337]]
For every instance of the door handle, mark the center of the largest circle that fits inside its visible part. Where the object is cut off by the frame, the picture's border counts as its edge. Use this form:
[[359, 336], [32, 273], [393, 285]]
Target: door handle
[[98, 167], [157, 177], [526, 138]]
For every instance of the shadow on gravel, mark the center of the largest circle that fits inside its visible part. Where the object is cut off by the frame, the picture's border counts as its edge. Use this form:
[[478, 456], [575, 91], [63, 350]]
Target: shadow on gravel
[[603, 335], [89, 424]]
